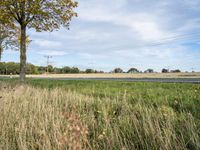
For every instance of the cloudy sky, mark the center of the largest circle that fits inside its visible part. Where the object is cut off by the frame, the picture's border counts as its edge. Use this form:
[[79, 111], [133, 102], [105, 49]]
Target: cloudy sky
[[123, 33]]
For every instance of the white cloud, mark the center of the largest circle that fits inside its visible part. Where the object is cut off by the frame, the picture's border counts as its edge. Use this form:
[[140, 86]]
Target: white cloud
[[47, 43], [52, 53], [148, 29], [190, 25], [146, 25]]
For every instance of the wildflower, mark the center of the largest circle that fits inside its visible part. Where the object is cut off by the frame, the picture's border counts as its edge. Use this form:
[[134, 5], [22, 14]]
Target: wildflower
[[98, 111], [176, 102], [100, 137]]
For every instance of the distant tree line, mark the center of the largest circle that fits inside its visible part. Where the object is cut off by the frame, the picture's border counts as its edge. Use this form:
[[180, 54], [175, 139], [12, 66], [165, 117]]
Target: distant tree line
[[131, 70], [172, 71], [13, 68], [135, 70]]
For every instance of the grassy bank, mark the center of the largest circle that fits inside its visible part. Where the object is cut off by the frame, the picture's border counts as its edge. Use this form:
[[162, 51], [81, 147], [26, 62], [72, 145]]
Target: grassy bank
[[43, 114]]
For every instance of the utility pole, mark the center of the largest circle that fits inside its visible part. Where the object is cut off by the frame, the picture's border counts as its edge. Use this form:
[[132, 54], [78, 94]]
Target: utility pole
[[168, 67], [48, 62]]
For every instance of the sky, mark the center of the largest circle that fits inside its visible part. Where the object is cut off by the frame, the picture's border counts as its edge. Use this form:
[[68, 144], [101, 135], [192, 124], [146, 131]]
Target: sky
[[122, 33]]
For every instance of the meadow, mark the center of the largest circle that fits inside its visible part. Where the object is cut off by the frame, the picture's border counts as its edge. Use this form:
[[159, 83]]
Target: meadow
[[50, 114]]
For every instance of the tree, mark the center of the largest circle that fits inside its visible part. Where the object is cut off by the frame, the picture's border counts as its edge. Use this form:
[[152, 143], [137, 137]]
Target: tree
[[7, 38], [89, 71], [165, 70], [75, 70], [12, 68], [176, 71], [41, 69], [10, 38], [42, 15], [57, 70], [118, 70], [2, 68], [66, 69], [149, 71], [49, 69], [133, 70], [31, 69]]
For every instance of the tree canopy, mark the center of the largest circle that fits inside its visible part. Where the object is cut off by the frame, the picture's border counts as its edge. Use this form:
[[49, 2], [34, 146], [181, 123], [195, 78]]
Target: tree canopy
[[42, 15], [165, 70], [149, 71], [8, 38], [133, 70], [118, 70]]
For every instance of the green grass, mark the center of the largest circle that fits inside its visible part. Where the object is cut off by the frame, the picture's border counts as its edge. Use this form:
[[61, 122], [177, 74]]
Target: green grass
[[179, 96], [116, 115]]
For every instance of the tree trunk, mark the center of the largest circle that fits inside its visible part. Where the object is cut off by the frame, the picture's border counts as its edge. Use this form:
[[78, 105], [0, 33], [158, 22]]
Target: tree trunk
[[1, 51], [23, 53]]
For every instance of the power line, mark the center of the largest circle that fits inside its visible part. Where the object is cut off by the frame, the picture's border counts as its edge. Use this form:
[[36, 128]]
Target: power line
[[190, 36], [172, 39]]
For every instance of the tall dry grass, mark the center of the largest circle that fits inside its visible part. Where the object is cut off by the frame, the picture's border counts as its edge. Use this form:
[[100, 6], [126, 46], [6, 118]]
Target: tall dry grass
[[35, 118]]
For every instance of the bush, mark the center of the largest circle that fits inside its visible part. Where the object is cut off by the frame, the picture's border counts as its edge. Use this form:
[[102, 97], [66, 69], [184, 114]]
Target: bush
[[175, 71], [118, 70], [165, 71], [133, 70], [89, 71]]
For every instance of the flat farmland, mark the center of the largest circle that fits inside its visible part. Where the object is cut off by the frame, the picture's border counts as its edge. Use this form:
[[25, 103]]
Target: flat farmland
[[114, 75], [120, 75]]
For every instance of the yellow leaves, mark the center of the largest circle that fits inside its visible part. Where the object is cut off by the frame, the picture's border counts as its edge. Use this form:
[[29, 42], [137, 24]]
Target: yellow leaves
[[8, 36], [28, 40], [45, 15]]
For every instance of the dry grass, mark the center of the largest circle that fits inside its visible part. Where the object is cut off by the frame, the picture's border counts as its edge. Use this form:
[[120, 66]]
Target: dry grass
[[34, 118], [122, 75], [116, 75], [39, 119]]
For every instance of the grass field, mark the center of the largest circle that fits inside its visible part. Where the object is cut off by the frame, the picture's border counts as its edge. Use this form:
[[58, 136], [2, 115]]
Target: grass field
[[50, 114]]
